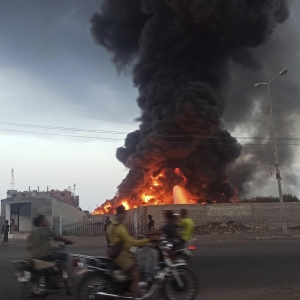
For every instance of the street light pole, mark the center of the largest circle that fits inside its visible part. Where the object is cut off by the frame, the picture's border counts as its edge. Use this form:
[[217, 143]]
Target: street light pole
[[274, 148]]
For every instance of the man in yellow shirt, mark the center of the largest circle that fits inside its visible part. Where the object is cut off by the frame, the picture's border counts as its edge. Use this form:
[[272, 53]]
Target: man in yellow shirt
[[186, 226], [118, 233]]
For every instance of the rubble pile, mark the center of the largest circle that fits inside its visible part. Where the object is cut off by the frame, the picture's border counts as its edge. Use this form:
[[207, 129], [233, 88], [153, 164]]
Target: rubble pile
[[220, 228]]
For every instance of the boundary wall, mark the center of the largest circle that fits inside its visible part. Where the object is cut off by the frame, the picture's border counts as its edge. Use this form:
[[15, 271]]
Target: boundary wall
[[258, 215], [253, 215]]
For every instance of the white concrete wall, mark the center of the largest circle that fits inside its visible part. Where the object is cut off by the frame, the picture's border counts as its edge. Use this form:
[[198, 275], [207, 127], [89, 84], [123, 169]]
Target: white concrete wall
[[46, 205], [25, 217], [7, 216], [39, 205], [69, 213]]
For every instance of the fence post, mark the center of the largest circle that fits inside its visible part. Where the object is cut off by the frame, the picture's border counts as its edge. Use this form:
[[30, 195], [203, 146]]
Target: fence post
[[60, 224], [90, 226], [135, 222]]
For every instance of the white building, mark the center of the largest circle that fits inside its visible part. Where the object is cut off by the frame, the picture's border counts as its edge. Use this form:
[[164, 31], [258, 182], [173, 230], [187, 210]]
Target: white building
[[21, 207]]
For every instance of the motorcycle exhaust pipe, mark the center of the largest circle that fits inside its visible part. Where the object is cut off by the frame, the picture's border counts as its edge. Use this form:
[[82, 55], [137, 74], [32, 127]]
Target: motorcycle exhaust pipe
[[102, 295]]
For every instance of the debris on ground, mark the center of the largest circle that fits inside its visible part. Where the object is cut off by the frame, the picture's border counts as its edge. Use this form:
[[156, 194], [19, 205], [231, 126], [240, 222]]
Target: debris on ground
[[220, 228], [295, 228]]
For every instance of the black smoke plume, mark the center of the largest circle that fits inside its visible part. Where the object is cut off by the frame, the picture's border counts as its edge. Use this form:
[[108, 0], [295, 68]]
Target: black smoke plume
[[180, 52]]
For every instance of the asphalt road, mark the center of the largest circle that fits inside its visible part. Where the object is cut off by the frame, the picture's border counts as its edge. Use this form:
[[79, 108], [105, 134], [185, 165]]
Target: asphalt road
[[226, 270]]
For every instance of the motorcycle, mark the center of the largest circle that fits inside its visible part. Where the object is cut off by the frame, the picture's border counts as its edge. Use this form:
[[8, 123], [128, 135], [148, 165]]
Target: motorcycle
[[38, 279], [100, 278], [184, 253]]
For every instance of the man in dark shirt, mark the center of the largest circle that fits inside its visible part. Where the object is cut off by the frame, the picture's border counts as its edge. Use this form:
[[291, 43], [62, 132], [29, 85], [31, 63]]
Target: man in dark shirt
[[169, 228], [5, 231], [150, 223]]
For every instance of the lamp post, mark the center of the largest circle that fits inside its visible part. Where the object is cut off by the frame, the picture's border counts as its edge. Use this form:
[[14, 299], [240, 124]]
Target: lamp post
[[274, 147]]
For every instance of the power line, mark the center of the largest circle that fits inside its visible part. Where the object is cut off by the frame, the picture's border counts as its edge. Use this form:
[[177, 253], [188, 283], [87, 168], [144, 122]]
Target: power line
[[62, 128], [124, 132], [66, 135], [104, 138]]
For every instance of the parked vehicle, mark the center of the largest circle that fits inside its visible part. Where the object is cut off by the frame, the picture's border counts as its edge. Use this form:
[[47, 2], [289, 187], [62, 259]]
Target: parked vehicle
[[38, 279], [184, 253], [100, 278]]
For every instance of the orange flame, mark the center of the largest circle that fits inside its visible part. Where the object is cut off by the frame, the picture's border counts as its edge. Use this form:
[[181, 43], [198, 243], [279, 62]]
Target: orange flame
[[126, 205], [154, 193], [146, 198]]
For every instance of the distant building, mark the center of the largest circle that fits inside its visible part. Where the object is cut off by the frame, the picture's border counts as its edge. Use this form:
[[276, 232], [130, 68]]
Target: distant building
[[64, 195], [21, 207]]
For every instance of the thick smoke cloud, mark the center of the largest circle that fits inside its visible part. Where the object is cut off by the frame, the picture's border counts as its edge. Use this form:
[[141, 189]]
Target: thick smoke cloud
[[181, 52], [247, 111]]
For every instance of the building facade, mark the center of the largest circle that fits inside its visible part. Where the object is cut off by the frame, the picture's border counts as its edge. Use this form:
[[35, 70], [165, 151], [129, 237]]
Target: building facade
[[21, 207]]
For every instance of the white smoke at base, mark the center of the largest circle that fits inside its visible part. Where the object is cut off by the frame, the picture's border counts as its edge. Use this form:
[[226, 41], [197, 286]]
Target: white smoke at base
[[180, 195]]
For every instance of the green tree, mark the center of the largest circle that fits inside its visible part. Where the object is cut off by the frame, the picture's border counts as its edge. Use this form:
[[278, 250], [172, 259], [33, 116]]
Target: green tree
[[264, 199]]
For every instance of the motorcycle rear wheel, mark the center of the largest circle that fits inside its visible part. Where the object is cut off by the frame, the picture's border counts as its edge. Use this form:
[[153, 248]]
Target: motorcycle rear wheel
[[189, 291], [92, 283]]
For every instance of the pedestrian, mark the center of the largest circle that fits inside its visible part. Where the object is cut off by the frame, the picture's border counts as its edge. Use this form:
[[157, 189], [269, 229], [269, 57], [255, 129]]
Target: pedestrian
[[150, 223], [5, 231], [107, 222]]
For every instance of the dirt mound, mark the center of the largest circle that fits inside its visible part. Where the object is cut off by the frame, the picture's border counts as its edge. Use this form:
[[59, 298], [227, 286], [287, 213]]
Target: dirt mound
[[219, 228]]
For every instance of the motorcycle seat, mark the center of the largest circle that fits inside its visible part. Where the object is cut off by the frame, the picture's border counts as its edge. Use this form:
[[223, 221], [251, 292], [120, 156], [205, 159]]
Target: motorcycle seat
[[101, 262], [38, 265]]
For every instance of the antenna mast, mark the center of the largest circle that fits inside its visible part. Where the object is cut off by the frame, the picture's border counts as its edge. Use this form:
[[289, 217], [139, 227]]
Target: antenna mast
[[12, 183], [74, 187]]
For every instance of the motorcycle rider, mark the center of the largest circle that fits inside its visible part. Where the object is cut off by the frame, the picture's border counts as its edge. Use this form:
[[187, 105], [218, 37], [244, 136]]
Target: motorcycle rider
[[39, 243], [117, 233], [186, 226], [169, 227]]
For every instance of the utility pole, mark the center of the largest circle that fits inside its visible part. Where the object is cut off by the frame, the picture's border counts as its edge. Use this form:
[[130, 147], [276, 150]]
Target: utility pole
[[274, 149], [12, 183]]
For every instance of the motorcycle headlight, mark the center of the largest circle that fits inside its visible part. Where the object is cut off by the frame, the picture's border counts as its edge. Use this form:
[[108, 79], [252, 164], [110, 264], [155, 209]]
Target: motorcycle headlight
[[169, 246]]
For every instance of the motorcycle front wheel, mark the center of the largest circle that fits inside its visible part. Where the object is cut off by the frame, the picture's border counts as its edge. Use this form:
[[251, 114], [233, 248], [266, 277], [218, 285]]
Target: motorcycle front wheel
[[182, 258], [173, 291], [26, 292], [93, 283]]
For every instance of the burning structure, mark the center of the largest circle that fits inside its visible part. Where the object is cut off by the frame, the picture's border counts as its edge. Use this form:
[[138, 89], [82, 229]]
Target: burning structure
[[180, 51]]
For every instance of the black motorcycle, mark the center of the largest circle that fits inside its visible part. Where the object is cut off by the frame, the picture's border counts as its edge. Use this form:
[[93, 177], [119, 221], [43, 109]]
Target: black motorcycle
[[100, 278], [38, 279], [184, 252]]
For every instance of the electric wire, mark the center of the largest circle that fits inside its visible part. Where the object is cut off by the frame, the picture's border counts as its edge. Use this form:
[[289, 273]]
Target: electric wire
[[124, 132], [62, 128], [120, 139], [66, 135]]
